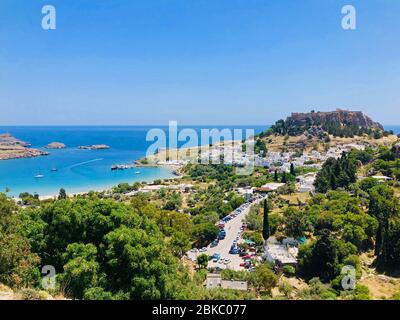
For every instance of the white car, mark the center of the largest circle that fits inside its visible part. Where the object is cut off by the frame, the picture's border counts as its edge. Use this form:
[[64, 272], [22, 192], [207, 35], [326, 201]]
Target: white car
[[227, 261]]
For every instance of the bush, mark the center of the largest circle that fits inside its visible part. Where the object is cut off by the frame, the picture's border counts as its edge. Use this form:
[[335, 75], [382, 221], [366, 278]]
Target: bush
[[361, 293], [31, 294], [289, 270]]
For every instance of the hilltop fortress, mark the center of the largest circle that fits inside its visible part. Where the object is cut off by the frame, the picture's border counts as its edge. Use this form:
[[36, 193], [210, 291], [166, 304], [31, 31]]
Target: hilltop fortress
[[342, 123], [340, 116]]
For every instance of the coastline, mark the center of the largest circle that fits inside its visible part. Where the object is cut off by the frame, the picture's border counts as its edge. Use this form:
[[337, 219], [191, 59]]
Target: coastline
[[99, 189], [74, 174]]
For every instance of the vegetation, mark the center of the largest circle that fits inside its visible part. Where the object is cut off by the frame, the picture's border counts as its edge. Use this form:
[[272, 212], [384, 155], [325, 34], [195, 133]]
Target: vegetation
[[322, 126], [17, 262], [336, 174], [266, 232], [117, 246], [384, 206]]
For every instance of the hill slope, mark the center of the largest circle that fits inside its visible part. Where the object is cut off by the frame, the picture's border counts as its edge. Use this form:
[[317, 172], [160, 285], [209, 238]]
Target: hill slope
[[342, 123]]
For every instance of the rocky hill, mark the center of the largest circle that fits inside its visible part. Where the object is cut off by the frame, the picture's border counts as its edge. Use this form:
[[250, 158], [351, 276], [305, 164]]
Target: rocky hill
[[339, 123], [343, 117], [7, 139], [56, 145], [13, 148]]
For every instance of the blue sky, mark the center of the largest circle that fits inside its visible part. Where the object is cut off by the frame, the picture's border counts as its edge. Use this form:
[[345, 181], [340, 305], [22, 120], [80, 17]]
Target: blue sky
[[196, 61]]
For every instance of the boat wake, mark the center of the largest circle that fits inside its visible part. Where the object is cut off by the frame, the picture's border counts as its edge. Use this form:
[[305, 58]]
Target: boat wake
[[83, 163]]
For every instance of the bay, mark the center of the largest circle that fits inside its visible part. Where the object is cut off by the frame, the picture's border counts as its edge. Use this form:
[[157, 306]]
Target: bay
[[83, 170]]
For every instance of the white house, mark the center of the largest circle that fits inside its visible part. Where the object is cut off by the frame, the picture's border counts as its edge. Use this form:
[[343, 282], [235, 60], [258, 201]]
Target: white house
[[280, 254]]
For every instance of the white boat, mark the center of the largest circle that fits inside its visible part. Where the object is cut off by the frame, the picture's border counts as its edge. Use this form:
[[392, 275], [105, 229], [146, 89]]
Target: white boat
[[137, 172], [39, 176]]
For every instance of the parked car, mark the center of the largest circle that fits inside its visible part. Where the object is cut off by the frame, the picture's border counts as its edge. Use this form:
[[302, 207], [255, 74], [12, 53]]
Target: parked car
[[214, 243], [215, 257]]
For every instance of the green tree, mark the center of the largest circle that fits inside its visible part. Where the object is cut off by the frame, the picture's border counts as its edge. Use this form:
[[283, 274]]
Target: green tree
[[204, 233], [253, 220], [81, 270], [384, 205], [202, 260], [179, 243], [18, 265], [336, 173], [263, 278], [97, 293], [266, 232], [139, 263], [320, 259], [62, 194], [292, 169], [296, 223]]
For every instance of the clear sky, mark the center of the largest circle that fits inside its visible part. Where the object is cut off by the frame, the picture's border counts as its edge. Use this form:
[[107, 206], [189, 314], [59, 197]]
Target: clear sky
[[196, 61]]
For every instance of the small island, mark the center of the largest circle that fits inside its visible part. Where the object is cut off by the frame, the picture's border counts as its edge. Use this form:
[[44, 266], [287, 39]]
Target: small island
[[13, 148], [56, 145], [94, 147]]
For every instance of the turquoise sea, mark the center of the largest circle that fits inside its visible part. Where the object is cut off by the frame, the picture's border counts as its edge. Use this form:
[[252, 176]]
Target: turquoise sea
[[82, 170]]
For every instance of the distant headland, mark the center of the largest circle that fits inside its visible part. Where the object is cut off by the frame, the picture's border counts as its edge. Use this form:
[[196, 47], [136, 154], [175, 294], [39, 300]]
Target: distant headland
[[13, 148]]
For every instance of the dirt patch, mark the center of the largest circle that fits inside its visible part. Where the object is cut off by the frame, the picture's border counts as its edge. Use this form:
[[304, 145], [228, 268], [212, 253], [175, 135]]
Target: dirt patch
[[296, 197], [381, 286], [6, 293]]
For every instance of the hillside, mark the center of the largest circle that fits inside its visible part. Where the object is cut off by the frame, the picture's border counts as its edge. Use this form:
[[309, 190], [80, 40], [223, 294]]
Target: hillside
[[13, 148], [7, 293], [340, 122]]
